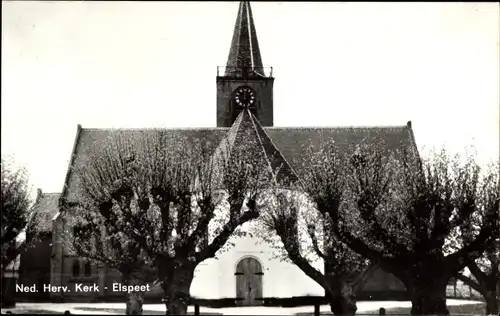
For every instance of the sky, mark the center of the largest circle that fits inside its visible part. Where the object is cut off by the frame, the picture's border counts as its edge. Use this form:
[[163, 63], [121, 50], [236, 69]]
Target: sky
[[153, 64]]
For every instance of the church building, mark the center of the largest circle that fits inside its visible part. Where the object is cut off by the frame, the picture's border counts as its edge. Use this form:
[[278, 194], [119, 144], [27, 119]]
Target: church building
[[244, 109]]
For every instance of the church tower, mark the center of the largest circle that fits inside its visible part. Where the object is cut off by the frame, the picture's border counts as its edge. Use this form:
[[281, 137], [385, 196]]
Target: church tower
[[244, 83]]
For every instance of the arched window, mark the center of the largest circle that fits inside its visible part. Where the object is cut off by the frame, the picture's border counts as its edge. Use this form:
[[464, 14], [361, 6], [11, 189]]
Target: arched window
[[76, 268], [87, 269]]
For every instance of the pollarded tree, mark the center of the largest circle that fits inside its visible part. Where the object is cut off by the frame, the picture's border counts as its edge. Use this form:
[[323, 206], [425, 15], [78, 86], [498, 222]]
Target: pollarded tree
[[15, 209], [156, 196], [486, 276], [99, 225], [485, 269], [410, 211], [299, 219]]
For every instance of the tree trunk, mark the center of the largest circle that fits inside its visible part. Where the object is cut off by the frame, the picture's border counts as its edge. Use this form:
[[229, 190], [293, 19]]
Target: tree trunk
[[491, 300], [134, 298], [491, 304], [8, 291], [134, 303], [343, 306], [428, 295], [176, 287], [342, 300]]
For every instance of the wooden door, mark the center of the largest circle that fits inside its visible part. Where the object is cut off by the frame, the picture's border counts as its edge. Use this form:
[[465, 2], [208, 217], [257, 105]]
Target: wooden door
[[249, 282]]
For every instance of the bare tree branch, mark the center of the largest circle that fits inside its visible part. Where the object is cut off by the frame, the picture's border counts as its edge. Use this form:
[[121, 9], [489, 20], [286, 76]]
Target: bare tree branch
[[157, 199]]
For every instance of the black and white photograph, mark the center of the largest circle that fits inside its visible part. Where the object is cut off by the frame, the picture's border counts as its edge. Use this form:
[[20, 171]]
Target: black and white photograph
[[250, 158]]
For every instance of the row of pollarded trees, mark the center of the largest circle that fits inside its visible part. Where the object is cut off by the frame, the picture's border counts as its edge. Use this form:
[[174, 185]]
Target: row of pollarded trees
[[148, 205], [145, 207], [424, 222]]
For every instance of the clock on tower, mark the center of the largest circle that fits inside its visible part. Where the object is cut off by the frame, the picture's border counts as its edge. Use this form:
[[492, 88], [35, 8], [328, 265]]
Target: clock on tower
[[245, 98], [244, 82]]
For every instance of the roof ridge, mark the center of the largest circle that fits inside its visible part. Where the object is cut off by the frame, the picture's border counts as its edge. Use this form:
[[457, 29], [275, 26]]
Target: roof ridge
[[254, 123], [150, 128], [227, 142], [228, 128], [70, 164], [337, 127], [257, 126]]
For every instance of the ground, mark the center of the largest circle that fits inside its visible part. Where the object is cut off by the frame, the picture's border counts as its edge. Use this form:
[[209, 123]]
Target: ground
[[371, 307]]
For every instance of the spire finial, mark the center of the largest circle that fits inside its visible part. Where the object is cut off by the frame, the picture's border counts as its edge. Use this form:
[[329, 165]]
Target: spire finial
[[244, 55]]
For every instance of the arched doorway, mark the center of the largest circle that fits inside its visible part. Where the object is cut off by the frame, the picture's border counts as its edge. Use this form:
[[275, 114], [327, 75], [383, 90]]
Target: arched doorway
[[249, 282]]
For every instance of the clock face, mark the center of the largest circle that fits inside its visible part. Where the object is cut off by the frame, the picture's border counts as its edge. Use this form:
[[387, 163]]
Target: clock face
[[244, 97]]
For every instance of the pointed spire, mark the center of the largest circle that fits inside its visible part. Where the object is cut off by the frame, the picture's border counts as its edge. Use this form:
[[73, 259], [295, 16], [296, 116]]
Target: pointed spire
[[244, 55]]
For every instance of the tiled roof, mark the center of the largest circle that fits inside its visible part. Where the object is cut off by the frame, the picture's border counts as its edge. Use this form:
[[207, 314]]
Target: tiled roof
[[247, 136], [86, 139], [44, 210], [291, 142]]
